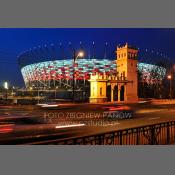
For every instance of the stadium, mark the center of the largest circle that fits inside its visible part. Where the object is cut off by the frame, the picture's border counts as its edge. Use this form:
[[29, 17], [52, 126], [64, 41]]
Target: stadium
[[46, 69]]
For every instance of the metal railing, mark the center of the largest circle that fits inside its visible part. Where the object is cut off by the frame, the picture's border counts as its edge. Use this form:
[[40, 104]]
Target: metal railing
[[156, 134]]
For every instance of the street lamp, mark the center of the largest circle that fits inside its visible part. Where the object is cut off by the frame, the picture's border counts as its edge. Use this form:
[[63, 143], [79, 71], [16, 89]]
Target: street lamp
[[80, 54], [75, 57], [170, 78]]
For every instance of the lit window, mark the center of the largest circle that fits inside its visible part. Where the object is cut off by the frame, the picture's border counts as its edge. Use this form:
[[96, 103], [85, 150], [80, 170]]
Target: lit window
[[101, 91], [93, 91]]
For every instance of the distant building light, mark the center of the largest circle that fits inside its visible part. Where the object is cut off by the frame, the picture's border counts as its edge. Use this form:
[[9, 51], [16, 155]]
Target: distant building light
[[6, 85]]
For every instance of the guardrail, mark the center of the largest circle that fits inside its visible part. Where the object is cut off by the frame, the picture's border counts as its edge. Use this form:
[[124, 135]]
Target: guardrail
[[162, 134]]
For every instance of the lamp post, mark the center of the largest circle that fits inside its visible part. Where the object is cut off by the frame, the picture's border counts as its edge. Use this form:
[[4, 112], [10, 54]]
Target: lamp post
[[38, 95], [170, 91], [56, 91], [80, 54]]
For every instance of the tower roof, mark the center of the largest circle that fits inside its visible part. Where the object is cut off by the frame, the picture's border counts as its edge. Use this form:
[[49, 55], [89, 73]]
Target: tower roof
[[127, 46]]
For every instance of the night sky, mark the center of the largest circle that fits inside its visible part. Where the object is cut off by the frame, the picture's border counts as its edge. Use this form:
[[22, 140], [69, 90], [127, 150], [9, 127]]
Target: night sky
[[15, 41]]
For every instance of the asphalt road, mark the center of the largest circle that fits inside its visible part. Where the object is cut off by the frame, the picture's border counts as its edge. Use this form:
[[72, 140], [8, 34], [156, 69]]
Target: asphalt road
[[78, 120]]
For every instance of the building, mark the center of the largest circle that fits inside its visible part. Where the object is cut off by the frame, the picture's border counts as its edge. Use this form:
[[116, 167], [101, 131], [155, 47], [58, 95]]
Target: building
[[125, 79]]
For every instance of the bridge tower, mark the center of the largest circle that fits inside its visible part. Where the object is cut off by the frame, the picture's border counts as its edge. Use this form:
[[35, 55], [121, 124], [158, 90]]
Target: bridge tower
[[127, 67]]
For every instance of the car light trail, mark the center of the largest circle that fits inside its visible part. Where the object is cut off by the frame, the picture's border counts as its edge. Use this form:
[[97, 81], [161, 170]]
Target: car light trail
[[68, 126], [6, 128], [49, 106]]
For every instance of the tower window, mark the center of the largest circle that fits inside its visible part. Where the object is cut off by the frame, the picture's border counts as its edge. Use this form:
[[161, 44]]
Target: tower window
[[129, 55], [93, 91], [101, 91]]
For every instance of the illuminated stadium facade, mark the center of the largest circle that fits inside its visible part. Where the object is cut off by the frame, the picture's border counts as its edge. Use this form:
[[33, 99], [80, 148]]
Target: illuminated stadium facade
[[49, 67], [59, 73]]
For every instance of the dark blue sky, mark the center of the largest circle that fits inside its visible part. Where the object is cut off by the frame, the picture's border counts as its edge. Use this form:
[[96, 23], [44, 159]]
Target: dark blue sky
[[15, 41]]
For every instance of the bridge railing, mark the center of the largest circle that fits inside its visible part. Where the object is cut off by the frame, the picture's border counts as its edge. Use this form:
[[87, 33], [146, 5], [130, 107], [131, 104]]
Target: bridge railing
[[156, 134]]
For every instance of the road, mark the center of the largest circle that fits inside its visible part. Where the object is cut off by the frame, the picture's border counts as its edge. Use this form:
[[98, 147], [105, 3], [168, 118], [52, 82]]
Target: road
[[77, 120]]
